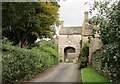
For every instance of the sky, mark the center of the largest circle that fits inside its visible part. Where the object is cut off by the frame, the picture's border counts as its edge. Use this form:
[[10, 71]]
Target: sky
[[72, 11]]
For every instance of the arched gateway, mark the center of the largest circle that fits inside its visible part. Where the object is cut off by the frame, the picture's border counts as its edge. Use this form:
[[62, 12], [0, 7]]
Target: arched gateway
[[69, 53]]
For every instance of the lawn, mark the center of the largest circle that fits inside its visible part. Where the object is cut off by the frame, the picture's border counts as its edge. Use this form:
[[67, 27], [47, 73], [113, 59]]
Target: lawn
[[91, 75]]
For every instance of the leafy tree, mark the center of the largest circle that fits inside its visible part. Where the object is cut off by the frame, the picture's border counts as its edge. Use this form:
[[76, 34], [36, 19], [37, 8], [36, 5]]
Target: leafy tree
[[24, 22], [108, 18]]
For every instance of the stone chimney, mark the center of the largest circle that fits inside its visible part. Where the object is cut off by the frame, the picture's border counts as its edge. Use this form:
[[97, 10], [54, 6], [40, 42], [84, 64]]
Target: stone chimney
[[62, 24], [85, 22], [85, 16]]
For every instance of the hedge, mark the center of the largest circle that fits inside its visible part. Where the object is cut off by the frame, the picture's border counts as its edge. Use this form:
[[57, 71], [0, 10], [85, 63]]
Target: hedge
[[20, 64]]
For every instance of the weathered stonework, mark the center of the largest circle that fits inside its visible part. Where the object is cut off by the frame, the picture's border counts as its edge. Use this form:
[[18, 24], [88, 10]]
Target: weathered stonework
[[71, 38], [95, 44], [64, 41]]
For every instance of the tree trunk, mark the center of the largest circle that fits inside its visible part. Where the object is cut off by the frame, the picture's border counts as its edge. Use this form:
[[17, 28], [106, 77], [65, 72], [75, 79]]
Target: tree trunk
[[24, 44]]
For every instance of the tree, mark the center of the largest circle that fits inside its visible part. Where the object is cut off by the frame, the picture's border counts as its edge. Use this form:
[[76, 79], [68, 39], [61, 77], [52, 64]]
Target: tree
[[108, 18], [24, 22]]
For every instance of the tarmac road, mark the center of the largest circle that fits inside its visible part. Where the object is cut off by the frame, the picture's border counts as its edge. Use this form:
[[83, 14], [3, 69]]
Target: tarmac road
[[63, 72]]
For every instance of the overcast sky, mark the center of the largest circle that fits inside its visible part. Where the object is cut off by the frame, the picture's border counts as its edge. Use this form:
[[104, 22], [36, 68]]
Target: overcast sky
[[72, 11]]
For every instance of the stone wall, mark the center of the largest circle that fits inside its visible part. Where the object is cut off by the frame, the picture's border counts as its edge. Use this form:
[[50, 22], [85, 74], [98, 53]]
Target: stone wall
[[70, 30], [95, 44], [68, 41]]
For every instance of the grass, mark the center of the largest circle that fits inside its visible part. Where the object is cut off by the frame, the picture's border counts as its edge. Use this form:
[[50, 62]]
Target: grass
[[92, 76]]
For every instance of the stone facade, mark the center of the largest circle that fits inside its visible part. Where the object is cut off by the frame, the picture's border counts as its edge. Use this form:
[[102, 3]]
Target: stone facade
[[71, 41], [71, 38]]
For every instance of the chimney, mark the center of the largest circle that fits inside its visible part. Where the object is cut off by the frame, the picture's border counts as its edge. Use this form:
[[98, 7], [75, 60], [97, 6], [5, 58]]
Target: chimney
[[85, 16], [62, 24]]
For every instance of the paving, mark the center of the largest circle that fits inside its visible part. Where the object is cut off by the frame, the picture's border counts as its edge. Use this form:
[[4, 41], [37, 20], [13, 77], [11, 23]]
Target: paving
[[63, 72]]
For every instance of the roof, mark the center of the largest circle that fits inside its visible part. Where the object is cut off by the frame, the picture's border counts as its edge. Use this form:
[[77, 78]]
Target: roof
[[70, 30]]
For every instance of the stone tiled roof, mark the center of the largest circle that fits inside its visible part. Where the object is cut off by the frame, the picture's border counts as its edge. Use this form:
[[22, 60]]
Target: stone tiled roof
[[70, 30]]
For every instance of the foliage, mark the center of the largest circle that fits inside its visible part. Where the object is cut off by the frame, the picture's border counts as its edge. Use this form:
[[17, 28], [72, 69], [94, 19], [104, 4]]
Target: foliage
[[107, 61], [109, 58], [84, 56], [21, 64], [25, 22], [108, 18], [48, 46], [85, 49], [43, 43]]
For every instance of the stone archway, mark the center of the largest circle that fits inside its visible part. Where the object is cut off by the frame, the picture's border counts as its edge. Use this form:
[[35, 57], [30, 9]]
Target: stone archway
[[69, 53]]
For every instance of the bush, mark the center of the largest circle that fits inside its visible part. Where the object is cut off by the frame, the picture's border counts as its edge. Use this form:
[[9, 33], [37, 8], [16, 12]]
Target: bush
[[84, 56], [107, 61], [50, 47], [22, 64]]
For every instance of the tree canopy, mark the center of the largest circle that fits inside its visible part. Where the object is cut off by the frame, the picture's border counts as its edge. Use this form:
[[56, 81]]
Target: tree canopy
[[108, 17], [24, 22]]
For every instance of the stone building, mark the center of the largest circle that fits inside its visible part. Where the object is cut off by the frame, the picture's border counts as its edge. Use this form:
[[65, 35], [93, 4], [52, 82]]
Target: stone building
[[70, 39]]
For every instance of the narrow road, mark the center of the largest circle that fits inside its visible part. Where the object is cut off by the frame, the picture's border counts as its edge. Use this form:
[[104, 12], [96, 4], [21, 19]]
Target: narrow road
[[64, 72]]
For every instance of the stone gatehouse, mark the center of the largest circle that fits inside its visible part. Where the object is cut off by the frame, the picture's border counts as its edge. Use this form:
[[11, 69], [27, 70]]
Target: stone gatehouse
[[69, 42], [70, 39]]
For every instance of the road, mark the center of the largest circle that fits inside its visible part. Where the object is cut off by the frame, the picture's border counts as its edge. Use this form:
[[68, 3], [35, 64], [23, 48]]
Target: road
[[64, 72]]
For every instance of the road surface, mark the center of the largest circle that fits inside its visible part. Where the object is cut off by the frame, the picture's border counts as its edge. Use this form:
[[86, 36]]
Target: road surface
[[64, 72]]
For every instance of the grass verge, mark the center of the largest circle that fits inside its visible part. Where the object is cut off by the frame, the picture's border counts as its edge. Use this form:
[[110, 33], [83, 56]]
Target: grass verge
[[91, 76]]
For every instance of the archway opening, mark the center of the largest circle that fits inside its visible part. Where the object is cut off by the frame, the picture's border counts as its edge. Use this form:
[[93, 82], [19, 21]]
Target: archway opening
[[69, 54]]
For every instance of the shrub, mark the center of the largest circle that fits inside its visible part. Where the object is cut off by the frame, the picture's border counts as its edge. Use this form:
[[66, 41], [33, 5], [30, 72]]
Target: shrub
[[22, 64], [84, 56], [107, 61]]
